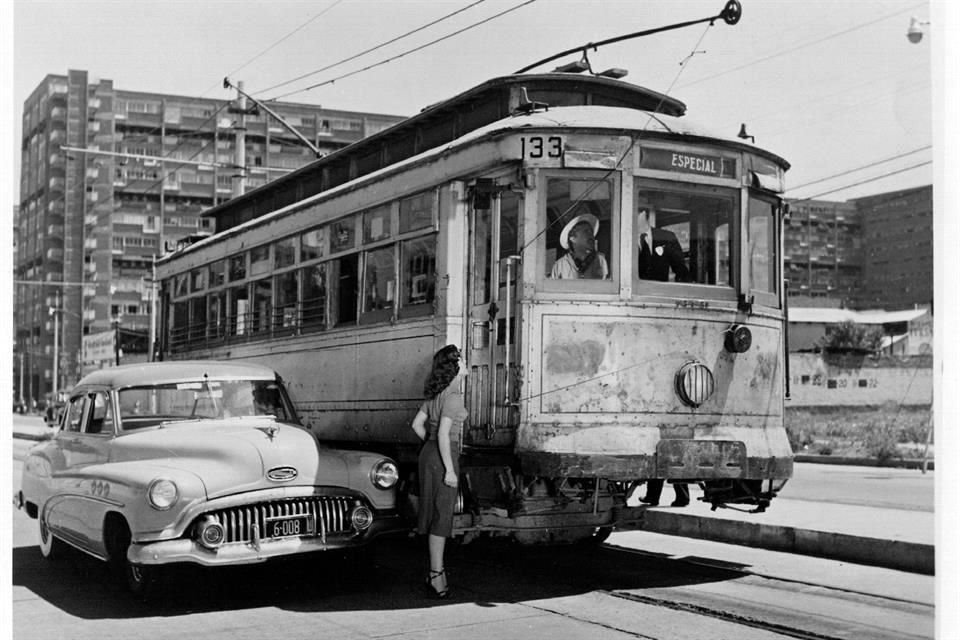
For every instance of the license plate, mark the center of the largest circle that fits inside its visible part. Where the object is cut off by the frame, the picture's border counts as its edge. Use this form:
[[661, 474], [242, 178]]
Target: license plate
[[290, 526]]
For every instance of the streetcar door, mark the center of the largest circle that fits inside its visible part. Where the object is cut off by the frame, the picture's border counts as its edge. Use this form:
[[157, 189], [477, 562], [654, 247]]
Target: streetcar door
[[492, 331]]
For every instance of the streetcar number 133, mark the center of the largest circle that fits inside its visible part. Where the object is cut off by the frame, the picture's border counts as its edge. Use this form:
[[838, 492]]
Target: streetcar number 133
[[540, 147]]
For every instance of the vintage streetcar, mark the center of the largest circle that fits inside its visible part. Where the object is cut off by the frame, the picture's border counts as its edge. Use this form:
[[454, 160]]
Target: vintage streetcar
[[588, 374]]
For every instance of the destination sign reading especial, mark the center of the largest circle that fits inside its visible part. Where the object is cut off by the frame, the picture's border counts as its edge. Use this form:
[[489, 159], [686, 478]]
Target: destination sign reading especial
[[704, 165]]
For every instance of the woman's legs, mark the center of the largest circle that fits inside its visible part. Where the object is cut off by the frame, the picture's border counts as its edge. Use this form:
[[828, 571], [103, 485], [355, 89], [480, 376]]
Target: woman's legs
[[438, 578]]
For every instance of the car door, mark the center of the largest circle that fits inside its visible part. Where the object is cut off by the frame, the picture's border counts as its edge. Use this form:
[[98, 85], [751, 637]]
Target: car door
[[85, 444]]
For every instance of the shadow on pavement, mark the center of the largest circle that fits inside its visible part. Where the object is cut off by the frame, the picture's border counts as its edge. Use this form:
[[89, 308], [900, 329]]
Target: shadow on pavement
[[385, 577]]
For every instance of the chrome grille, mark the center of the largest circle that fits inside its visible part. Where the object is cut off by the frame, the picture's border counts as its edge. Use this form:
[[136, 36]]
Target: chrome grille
[[331, 513]]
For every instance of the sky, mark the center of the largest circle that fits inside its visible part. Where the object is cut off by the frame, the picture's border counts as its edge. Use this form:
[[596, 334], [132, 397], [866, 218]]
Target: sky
[[831, 86], [835, 87]]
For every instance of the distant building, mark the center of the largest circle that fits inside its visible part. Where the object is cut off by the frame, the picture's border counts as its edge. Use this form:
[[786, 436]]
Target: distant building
[[823, 253], [90, 225], [874, 252], [897, 230]]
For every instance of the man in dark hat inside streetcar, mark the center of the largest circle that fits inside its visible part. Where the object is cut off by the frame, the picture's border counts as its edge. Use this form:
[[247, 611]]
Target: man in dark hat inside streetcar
[[579, 238], [660, 251]]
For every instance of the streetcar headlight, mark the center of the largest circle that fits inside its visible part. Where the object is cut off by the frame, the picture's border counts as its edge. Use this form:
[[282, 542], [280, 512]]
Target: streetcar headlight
[[694, 383], [384, 474], [361, 517], [162, 494], [737, 338], [210, 532]]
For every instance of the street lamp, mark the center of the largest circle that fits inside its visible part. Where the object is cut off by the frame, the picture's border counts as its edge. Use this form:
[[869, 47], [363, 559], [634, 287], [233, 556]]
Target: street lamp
[[915, 31]]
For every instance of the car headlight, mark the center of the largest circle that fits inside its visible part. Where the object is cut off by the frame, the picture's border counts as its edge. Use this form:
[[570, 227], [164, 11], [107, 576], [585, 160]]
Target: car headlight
[[384, 474], [162, 494]]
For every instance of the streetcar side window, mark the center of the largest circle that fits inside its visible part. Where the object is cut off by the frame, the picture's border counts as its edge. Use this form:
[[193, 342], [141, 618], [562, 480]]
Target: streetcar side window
[[379, 283], [684, 236], [579, 228], [344, 279], [418, 267], [762, 245], [314, 297]]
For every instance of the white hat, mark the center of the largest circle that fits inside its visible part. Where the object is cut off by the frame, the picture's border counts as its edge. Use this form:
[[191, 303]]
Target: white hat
[[583, 217]]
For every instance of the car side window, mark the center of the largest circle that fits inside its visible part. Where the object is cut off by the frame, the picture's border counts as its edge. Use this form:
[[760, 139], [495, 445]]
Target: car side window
[[101, 419], [74, 414]]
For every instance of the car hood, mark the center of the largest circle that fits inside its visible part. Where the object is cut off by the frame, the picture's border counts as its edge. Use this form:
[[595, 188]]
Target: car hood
[[234, 456]]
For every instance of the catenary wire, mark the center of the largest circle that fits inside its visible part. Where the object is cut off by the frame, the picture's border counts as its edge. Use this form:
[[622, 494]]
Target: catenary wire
[[868, 180], [798, 47], [866, 166], [371, 49], [405, 53]]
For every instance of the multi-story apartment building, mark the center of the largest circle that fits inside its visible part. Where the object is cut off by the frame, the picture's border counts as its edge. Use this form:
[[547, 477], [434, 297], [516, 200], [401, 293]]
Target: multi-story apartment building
[[874, 252], [823, 250], [90, 224], [897, 232]]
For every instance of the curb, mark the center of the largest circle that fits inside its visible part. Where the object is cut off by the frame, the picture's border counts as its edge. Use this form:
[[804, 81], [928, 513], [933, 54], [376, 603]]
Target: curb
[[892, 554], [902, 463]]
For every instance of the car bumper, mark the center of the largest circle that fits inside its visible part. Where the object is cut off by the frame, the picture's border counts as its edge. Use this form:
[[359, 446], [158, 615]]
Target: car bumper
[[185, 550]]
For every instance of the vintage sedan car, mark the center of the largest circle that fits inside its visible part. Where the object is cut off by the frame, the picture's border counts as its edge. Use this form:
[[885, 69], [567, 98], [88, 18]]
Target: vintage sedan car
[[197, 462]]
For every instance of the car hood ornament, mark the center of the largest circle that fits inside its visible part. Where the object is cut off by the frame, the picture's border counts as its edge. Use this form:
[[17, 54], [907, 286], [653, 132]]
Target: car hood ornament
[[271, 430]]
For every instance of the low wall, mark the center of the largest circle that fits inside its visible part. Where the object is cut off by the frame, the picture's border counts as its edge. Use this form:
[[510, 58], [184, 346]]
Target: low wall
[[821, 380]]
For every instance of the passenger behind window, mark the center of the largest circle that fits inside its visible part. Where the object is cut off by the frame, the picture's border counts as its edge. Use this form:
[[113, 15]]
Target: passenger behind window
[[660, 251], [579, 238]]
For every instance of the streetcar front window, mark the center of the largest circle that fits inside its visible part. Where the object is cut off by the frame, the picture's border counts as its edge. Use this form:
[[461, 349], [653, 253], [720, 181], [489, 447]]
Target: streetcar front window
[[684, 235], [579, 228]]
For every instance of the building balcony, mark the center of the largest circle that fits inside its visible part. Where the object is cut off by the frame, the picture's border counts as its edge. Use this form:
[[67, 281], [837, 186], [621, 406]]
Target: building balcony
[[54, 255], [55, 231], [57, 184]]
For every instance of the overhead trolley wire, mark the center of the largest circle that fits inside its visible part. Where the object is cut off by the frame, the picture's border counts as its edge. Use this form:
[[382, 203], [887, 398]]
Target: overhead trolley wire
[[868, 180], [866, 166], [798, 47], [405, 53], [371, 49], [278, 42]]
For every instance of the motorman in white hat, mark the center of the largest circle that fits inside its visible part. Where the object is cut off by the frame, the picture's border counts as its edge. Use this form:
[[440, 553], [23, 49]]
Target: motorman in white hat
[[579, 238]]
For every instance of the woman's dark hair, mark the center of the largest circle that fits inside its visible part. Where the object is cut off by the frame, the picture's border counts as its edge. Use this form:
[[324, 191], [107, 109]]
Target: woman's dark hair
[[445, 368]]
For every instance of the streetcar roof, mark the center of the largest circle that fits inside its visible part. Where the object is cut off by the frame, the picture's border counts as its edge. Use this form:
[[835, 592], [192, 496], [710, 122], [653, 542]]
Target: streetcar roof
[[435, 126]]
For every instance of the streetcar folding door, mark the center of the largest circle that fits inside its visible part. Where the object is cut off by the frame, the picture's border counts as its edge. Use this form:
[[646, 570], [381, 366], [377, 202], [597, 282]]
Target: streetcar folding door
[[492, 335]]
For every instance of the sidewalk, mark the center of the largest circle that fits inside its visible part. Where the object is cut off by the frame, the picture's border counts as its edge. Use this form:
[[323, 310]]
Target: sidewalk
[[893, 538]]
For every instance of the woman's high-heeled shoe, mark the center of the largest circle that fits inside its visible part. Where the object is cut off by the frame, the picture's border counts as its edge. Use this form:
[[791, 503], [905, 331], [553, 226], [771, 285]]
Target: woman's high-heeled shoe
[[432, 590]]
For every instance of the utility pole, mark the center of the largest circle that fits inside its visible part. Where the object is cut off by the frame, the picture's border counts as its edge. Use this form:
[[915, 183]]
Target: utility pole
[[240, 145], [55, 312], [153, 306]]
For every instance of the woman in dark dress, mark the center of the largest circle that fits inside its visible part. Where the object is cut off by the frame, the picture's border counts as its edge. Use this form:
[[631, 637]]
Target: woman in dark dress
[[439, 424]]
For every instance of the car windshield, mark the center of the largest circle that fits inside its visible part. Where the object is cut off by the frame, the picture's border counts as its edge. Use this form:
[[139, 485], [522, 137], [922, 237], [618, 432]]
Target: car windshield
[[151, 405]]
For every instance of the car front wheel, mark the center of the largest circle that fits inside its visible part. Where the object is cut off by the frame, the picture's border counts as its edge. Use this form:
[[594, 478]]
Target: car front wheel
[[141, 580], [50, 547]]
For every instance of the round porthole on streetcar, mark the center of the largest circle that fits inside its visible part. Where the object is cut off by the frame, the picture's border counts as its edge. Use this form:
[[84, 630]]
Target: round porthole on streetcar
[[694, 383], [738, 338]]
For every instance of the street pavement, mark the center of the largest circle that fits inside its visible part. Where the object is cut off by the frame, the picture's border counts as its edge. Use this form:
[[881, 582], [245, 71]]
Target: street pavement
[[890, 534]]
